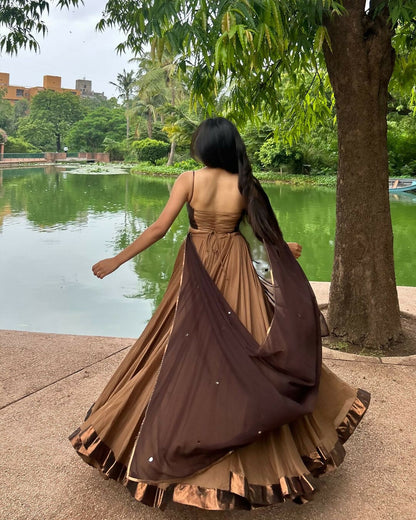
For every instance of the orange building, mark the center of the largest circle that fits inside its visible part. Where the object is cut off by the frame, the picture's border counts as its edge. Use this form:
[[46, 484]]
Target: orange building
[[13, 92]]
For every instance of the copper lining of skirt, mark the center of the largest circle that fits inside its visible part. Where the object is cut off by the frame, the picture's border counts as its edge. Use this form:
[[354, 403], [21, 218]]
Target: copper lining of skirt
[[354, 416], [241, 494]]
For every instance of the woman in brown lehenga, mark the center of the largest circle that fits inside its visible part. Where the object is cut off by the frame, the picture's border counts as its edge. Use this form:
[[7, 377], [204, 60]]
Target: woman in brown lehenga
[[223, 402]]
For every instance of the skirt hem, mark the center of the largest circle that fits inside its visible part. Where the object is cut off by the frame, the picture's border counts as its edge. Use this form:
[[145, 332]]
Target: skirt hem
[[241, 493]]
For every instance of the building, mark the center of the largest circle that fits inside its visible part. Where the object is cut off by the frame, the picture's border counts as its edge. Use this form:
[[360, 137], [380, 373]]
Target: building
[[14, 93], [85, 88]]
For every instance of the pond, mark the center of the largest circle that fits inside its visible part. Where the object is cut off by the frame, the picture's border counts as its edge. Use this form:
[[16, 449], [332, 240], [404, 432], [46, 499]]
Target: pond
[[54, 225]]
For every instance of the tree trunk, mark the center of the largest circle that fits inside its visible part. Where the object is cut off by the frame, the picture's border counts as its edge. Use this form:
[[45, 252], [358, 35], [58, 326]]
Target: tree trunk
[[171, 153], [149, 125], [363, 302], [58, 142]]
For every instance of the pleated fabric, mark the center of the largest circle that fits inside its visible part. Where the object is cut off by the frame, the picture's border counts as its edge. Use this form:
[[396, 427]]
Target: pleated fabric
[[223, 402]]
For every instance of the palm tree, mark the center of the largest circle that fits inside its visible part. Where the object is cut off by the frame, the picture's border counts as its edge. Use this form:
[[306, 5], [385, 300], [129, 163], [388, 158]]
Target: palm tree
[[126, 85], [152, 92], [180, 125]]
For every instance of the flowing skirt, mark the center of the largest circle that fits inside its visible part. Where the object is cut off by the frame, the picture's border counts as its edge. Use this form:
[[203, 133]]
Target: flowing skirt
[[269, 469]]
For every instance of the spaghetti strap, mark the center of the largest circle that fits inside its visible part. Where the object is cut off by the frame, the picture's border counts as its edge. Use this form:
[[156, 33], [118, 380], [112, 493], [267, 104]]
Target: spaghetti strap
[[192, 191]]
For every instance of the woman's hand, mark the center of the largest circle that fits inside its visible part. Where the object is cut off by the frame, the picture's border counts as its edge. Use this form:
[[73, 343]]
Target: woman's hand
[[105, 267], [295, 248]]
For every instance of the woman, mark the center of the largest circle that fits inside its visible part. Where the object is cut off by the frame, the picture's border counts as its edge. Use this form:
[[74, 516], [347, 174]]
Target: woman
[[223, 401]]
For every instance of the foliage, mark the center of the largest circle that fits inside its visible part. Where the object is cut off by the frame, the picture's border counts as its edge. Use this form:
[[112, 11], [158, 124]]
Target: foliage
[[89, 133], [116, 149], [125, 84], [254, 136], [246, 47], [10, 114], [21, 109], [18, 145], [60, 110], [6, 116], [320, 149], [189, 164], [159, 132], [403, 80], [91, 103], [181, 122], [328, 181], [39, 133], [401, 137], [22, 19], [274, 155], [152, 92], [151, 169], [240, 46], [150, 149], [3, 136]]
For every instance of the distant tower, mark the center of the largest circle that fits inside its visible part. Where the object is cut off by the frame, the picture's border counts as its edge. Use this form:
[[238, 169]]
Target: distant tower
[[84, 86]]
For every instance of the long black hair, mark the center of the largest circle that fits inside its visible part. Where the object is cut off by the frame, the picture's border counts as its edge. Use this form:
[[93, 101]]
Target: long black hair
[[218, 144]]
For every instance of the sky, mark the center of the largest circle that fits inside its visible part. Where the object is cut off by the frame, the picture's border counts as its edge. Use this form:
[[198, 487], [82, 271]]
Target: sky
[[72, 49]]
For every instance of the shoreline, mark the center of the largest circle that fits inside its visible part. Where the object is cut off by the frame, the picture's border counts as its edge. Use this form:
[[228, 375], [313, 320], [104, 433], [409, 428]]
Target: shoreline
[[170, 172]]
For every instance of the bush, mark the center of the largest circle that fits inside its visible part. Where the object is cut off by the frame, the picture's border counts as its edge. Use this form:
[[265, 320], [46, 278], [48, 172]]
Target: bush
[[189, 164], [150, 149]]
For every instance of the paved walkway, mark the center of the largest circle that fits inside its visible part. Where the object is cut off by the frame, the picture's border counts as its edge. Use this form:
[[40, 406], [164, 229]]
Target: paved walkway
[[48, 382]]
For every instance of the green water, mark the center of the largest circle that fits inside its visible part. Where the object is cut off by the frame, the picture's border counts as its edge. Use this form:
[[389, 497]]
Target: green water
[[55, 225]]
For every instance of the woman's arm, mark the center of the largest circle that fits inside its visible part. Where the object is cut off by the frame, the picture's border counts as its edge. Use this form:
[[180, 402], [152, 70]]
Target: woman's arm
[[179, 195], [295, 248]]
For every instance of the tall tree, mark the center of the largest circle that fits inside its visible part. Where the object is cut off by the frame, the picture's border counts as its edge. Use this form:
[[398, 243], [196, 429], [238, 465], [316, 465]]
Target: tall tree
[[60, 110], [126, 86], [251, 44], [89, 133]]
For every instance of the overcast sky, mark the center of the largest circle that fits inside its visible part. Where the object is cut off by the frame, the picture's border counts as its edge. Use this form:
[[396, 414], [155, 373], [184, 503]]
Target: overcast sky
[[72, 49]]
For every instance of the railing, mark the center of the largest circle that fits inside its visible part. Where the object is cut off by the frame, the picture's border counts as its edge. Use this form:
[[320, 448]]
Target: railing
[[40, 155], [54, 156]]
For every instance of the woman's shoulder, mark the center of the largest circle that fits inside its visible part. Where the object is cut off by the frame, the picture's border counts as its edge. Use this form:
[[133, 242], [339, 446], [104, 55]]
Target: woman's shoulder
[[185, 178]]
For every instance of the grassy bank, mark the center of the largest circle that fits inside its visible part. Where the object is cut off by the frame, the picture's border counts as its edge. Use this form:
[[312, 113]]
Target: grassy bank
[[272, 177]]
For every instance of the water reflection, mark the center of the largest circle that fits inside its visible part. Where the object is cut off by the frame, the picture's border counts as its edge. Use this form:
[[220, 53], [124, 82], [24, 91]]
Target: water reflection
[[89, 217]]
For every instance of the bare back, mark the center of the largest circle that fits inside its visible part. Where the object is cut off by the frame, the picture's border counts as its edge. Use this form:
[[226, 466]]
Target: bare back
[[216, 190]]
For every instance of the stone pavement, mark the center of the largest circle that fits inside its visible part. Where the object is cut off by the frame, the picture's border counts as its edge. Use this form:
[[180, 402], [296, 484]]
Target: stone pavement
[[48, 381]]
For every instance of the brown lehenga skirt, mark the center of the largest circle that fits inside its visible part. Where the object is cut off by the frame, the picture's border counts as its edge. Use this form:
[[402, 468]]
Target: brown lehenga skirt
[[217, 417]]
